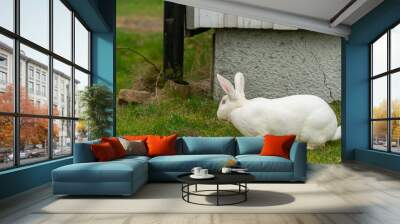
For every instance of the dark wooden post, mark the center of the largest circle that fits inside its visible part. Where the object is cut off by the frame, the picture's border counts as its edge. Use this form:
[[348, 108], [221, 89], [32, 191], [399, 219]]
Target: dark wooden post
[[174, 34]]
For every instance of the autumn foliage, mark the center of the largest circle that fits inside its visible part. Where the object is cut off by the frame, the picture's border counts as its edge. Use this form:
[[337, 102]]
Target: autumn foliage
[[33, 131], [380, 127]]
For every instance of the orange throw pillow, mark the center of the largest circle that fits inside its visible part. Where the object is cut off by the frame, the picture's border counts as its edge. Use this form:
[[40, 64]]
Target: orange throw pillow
[[161, 145], [103, 152], [135, 137], [116, 145], [277, 145]]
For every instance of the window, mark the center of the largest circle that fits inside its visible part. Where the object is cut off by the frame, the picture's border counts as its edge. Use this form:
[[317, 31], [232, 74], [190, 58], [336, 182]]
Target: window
[[62, 137], [62, 29], [3, 72], [3, 78], [30, 72], [385, 92], [3, 61], [30, 88], [6, 142], [48, 77], [37, 74], [44, 91], [38, 89], [6, 73], [62, 74], [7, 14], [81, 45], [35, 21], [81, 82]]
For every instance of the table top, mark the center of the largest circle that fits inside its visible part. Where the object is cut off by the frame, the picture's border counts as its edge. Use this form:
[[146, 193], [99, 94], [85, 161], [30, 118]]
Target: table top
[[220, 178]]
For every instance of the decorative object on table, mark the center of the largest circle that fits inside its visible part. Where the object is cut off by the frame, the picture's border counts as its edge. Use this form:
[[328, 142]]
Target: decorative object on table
[[239, 180], [202, 176], [97, 103], [230, 170], [196, 170], [231, 163], [308, 117], [226, 170], [200, 173]]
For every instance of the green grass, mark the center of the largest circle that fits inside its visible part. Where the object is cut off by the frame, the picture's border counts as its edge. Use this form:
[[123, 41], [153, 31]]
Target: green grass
[[130, 65], [330, 153], [153, 8], [195, 116]]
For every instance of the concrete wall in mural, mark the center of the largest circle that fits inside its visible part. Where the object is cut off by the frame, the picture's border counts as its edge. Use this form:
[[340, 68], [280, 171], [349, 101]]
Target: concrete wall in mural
[[279, 63]]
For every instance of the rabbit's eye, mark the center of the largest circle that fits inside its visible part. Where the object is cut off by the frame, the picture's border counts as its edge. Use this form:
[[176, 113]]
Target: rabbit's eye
[[223, 102]]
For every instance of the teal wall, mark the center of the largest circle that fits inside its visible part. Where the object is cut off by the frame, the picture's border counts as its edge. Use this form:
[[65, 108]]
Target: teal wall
[[24, 178], [100, 16], [355, 86]]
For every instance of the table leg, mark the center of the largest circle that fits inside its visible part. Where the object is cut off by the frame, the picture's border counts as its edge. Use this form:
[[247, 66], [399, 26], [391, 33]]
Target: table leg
[[188, 190], [245, 193], [217, 194]]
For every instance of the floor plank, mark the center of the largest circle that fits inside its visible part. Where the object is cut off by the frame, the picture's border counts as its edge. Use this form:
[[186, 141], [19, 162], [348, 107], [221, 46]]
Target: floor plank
[[378, 191]]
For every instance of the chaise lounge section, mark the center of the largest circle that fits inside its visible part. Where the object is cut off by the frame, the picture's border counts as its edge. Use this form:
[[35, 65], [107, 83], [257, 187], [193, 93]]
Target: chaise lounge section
[[125, 176]]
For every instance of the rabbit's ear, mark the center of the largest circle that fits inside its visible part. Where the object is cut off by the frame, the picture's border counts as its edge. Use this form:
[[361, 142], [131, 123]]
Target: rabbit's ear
[[239, 84], [226, 85]]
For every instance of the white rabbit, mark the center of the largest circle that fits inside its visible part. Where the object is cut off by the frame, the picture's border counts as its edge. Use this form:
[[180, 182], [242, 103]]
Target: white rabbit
[[308, 117]]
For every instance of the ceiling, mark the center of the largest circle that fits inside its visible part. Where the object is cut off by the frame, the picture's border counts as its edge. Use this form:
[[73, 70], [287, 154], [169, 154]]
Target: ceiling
[[319, 9], [333, 17]]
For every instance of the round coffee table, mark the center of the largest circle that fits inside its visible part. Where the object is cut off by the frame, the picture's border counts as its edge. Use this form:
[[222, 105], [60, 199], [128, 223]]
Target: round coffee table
[[238, 179]]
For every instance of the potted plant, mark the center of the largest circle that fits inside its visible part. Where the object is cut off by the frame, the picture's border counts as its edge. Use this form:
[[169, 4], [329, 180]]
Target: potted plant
[[97, 103]]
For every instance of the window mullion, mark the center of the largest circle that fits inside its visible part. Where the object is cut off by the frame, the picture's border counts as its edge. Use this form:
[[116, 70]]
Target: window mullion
[[73, 82], [389, 88], [16, 84], [50, 81]]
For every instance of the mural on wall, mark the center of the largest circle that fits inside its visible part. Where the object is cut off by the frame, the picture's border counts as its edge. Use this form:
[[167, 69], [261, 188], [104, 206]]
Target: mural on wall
[[280, 63], [308, 117]]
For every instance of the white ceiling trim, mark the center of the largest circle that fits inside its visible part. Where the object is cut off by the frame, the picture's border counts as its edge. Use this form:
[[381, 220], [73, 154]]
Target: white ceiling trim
[[269, 15], [348, 12]]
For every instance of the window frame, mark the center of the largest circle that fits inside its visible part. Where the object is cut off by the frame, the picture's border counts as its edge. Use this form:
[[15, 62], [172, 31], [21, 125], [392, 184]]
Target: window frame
[[16, 114], [388, 74]]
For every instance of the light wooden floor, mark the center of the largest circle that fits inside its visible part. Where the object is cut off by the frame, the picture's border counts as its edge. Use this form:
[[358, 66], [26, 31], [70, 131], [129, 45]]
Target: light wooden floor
[[379, 189]]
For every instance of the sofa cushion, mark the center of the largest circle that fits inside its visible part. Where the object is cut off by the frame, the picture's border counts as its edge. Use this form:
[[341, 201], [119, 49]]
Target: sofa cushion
[[249, 145], [161, 145], [132, 158], [112, 171], [135, 137], [134, 147], [257, 163], [277, 145], [103, 152], [207, 145], [116, 145], [83, 152], [185, 163]]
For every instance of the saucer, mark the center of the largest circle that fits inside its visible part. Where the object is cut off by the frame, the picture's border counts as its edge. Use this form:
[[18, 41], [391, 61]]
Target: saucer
[[208, 176]]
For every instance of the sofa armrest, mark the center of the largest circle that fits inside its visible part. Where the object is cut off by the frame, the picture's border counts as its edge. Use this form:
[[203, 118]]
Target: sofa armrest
[[83, 152], [298, 155]]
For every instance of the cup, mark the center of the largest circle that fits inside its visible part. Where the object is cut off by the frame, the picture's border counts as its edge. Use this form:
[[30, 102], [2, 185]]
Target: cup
[[226, 170], [196, 171], [203, 172]]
